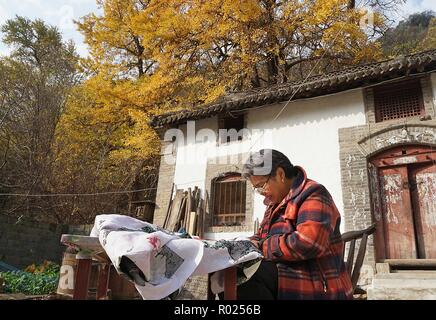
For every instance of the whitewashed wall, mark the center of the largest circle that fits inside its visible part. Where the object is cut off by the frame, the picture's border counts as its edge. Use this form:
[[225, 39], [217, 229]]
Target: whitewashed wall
[[433, 81], [192, 156], [306, 131]]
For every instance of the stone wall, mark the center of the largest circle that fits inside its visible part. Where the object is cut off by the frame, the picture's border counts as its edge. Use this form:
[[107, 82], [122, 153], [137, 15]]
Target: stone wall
[[24, 242], [195, 288]]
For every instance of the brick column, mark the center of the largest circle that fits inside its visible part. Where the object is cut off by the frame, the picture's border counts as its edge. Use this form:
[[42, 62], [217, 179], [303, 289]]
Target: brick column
[[166, 179]]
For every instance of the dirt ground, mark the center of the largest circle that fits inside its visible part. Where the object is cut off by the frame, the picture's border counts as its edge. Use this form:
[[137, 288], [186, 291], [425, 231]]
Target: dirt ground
[[21, 296]]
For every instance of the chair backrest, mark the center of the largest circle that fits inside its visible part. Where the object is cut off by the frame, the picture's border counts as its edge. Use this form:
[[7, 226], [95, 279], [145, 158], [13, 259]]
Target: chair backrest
[[352, 268], [354, 265]]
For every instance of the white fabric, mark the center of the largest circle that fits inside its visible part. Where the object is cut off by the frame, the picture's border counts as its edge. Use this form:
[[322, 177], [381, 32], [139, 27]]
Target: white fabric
[[166, 258]]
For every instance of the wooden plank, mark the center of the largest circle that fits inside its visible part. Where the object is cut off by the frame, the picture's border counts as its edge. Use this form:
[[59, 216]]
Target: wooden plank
[[169, 207], [198, 210], [195, 197], [187, 222], [413, 263], [397, 211], [188, 208], [199, 228], [192, 221], [180, 214], [204, 214], [168, 215], [423, 191], [172, 219], [377, 212], [195, 231], [87, 244]]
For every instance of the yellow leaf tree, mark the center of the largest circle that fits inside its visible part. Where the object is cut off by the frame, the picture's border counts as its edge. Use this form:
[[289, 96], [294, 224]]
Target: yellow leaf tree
[[150, 57], [179, 53]]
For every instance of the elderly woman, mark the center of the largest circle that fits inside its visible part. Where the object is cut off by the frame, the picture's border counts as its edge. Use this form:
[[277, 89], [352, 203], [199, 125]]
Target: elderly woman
[[299, 262]]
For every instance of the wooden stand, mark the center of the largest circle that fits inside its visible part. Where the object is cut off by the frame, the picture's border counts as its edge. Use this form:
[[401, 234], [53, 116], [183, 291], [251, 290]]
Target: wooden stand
[[89, 249]]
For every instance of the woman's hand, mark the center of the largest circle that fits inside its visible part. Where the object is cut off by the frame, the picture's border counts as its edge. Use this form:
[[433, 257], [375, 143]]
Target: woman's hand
[[255, 243]]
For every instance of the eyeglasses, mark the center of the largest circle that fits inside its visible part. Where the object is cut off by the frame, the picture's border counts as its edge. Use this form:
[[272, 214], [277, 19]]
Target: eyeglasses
[[261, 189]]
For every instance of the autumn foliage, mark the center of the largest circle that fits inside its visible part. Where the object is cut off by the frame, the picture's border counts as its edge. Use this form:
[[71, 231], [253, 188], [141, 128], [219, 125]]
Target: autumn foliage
[[151, 57]]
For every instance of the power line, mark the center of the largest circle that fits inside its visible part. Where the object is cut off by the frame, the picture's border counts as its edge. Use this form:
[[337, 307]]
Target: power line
[[84, 194], [73, 194]]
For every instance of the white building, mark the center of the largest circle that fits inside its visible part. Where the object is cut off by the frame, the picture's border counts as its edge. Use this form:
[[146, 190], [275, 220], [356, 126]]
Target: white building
[[367, 133]]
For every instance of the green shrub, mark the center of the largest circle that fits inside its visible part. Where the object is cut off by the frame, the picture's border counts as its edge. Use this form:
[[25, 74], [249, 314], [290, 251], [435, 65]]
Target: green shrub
[[43, 281]]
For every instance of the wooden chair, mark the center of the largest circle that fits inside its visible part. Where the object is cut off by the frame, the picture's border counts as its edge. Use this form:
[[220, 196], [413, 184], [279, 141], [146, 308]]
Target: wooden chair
[[354, 265]]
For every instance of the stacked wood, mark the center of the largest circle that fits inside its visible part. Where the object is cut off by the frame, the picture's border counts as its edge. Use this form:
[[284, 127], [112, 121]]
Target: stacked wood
[[186, 210]]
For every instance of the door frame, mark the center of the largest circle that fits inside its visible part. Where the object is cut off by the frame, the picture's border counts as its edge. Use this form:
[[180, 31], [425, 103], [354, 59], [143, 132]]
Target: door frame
[[399, 155]]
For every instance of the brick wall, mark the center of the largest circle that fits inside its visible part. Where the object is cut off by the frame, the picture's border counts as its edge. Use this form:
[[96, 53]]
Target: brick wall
[[427, 93], [166, 180]]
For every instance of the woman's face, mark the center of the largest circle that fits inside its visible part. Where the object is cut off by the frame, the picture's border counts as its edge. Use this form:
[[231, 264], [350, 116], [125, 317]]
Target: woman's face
[[273, 188]]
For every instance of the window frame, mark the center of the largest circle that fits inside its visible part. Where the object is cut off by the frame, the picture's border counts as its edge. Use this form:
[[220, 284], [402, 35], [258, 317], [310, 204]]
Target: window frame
[[231, 218], [383, 93], [223, 125]]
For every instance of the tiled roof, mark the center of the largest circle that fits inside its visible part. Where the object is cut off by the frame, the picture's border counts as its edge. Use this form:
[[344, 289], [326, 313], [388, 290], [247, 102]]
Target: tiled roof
[[332, 82]]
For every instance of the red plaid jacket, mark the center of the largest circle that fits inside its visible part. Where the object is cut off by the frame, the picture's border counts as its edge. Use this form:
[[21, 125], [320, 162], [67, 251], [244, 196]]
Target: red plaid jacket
[[296, 235]]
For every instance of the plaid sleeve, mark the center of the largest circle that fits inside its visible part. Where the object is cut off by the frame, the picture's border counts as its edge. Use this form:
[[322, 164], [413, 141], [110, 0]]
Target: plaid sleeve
[[261, 232], [256, 235], [316, 219]]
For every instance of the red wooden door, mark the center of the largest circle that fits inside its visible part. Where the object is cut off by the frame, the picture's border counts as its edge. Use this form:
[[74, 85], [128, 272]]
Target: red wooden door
[[399, 234], [403, 187], [423, 192]]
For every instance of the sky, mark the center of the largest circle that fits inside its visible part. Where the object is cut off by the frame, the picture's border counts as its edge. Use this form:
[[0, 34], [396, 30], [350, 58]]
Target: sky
[[413, 6], [61, 13]]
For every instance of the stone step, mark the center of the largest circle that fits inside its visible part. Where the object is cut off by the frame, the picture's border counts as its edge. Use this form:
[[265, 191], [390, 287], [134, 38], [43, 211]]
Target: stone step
[[387, 293], [403, 286], [414, 271], [404, 283], [406, 275]]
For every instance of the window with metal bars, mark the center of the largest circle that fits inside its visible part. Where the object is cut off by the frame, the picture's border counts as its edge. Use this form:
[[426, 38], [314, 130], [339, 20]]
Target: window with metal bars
[[229, 195], [398, 100]]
